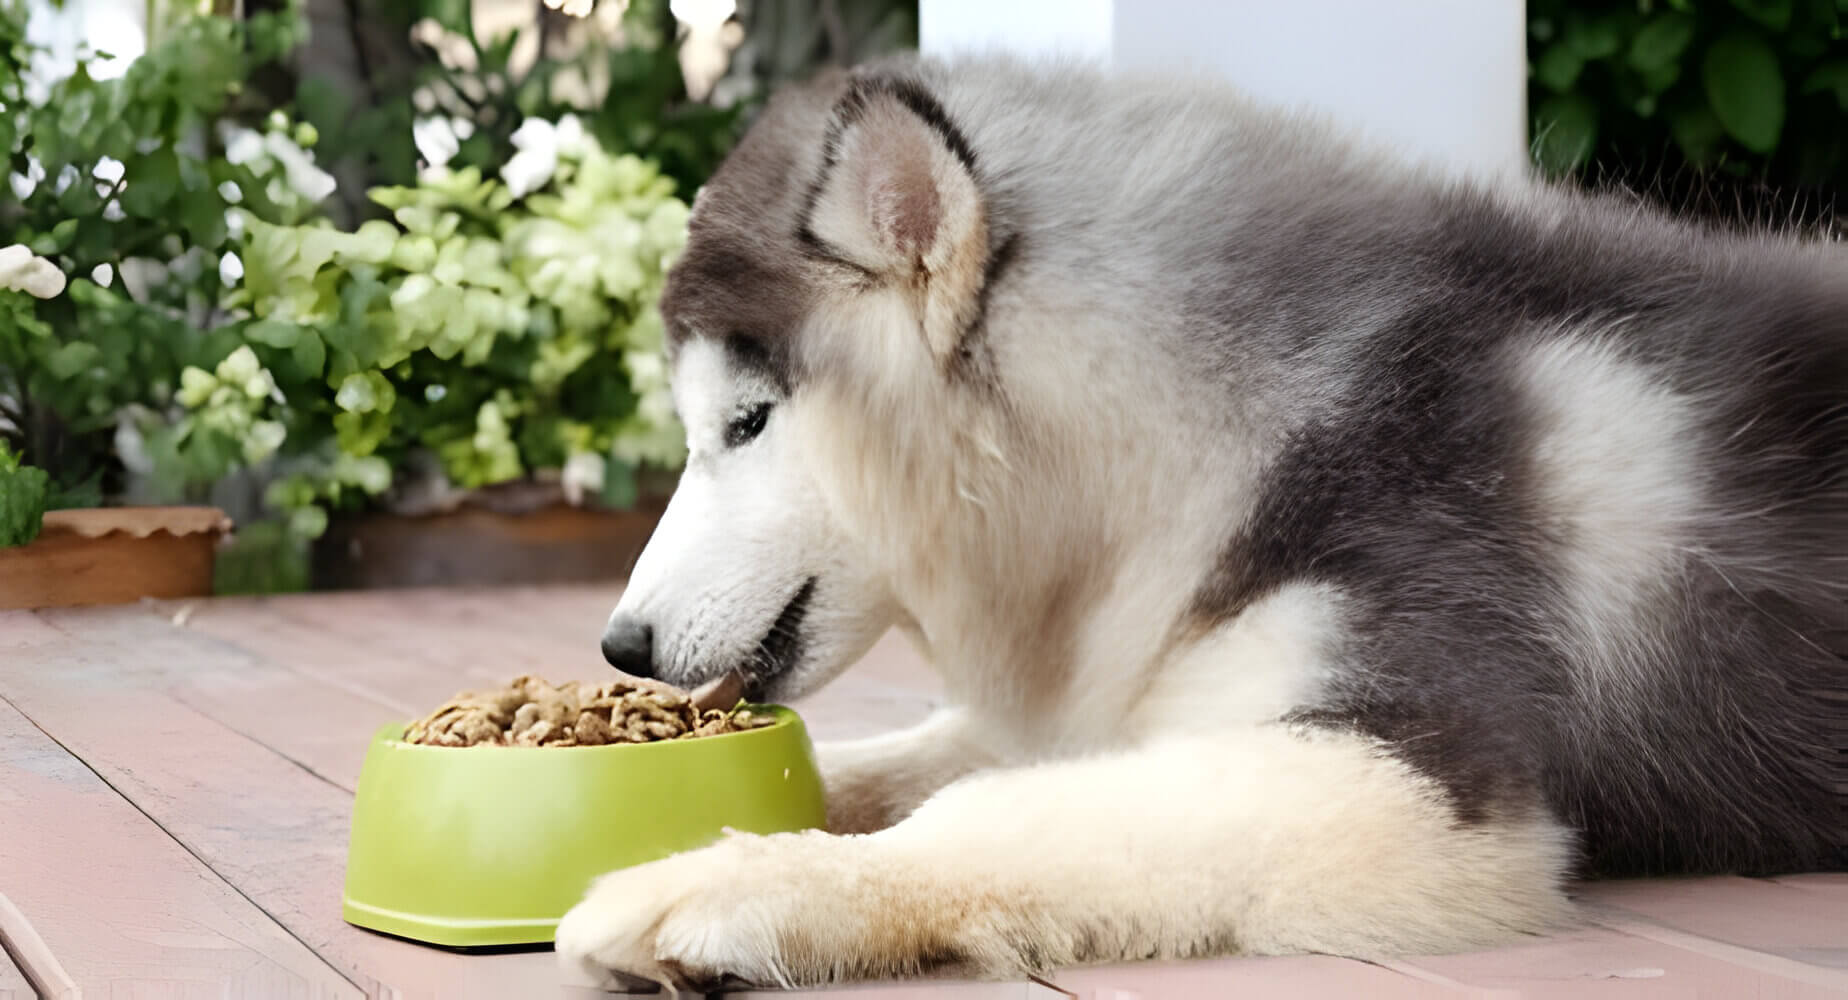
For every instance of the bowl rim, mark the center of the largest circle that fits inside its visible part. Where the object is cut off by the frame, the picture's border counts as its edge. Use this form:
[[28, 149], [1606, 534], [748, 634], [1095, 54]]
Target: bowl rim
[[391, 733]]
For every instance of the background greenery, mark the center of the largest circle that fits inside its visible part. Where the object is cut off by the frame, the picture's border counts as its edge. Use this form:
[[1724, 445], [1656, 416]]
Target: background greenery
[[288, 299], [73, 365], [1732, 110]]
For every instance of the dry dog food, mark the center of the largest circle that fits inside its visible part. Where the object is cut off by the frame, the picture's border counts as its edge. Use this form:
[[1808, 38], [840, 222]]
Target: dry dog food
[[533, 713]]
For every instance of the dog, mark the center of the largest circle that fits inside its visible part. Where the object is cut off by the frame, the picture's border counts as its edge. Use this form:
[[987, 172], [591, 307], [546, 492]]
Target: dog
[[1320, 553]]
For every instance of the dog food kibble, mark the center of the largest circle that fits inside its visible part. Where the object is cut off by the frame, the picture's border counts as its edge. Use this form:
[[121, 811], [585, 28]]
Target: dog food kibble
[[532, 713]]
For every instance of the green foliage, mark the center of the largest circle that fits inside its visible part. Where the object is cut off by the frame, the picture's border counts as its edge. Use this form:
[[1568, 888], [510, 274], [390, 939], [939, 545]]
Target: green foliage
[[119, 184], [24, 493], [502, 335], [645, 110], [1745, 89], [267, 558], [629, 96]]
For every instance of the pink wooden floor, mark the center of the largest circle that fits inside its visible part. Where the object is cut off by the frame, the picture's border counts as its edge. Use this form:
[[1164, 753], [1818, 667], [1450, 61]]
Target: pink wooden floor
[[175, 783]]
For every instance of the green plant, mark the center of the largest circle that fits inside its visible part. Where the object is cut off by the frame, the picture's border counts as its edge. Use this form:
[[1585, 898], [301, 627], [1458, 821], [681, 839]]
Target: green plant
[[121, 185], [1660, 93], [499, 331], [24, 493], [627, 92]]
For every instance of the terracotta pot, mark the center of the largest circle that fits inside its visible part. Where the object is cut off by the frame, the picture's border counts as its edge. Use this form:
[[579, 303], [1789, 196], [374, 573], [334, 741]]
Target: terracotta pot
[[114, 555], [557, 543]]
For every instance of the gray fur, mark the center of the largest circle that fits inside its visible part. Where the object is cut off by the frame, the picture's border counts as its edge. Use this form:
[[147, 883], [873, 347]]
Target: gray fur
[[1354, 324]]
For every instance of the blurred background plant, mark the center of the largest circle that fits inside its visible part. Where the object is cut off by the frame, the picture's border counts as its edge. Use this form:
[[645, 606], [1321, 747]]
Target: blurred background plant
[[1731, 110], [670, 82], [495, 330], [121, 179], [412, 263]]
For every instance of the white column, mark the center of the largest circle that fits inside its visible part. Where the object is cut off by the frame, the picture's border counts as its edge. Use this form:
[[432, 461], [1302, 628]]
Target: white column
[[1442, 81], [1037, 27]]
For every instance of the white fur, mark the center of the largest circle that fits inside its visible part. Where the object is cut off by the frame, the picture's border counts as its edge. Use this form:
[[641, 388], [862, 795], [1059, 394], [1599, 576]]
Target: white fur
[[1269, 660], [875, 782], [1193, 846], [1619, 466]]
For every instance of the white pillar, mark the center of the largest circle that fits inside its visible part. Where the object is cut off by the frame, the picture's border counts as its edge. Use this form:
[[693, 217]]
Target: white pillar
[[1442, 81]]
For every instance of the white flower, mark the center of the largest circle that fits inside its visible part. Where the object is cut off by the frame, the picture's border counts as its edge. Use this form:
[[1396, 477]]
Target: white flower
[[112, 212], [108, 170], [571, 138], [527, 170], [230, 269], [230, 192], [436, 140], [23, 271], [103, 274], [28, 182], [582, 475], [573, 8], [108, 31], [702, 13], [310, 181], [242, 145]]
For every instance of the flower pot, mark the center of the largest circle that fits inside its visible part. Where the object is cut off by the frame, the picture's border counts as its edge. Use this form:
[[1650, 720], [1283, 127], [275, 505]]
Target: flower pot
[[474, 545], [113, 555]]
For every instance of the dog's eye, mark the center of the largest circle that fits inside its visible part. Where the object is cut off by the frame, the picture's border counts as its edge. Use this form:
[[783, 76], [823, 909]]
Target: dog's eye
[[744, 429]]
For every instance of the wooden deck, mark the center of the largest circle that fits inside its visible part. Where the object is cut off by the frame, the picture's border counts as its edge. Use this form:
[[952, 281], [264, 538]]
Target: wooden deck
[[175, 783]]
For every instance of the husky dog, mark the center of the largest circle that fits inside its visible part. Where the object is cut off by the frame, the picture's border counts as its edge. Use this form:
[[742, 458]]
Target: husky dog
[[1318, 555]]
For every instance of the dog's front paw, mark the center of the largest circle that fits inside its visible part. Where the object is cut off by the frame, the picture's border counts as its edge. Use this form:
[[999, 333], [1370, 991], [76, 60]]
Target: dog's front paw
[[690, 921]]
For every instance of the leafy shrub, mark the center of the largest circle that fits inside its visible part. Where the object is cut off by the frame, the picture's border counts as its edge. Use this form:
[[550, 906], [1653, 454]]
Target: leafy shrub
[[628, 94], [1674, 95], [24, 492], [119, 184], [496, 330]]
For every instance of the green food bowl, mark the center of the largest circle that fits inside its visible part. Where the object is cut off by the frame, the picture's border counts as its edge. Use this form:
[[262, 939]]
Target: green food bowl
[[486, 846]]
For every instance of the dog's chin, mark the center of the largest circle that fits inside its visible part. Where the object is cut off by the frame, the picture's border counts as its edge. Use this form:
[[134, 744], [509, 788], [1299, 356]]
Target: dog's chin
[[777, 665], [767, 690], [759, 687], [797, 680]]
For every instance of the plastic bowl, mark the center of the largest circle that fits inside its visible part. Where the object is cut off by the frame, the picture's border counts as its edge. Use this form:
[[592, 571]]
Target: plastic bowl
[[487, 846]]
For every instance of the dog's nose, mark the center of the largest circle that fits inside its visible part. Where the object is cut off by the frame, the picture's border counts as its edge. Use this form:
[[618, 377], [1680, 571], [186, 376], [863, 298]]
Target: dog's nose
[[628, 643]]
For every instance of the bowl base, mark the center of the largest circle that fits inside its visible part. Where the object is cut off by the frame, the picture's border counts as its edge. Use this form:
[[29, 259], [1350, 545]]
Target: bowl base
[[450, 933]]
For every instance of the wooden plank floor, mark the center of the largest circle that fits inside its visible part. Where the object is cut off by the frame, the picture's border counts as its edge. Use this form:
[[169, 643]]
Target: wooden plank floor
[[176, 782]]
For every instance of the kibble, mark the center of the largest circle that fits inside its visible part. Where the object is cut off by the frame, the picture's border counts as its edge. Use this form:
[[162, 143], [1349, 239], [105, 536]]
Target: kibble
[[531, 712]]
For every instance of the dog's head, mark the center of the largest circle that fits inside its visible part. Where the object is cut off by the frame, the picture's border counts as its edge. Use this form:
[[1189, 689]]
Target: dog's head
[[821, 310]]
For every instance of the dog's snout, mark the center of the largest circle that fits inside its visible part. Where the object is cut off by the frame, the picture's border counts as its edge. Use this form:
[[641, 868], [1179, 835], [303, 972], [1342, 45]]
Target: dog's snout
[[628, 643]]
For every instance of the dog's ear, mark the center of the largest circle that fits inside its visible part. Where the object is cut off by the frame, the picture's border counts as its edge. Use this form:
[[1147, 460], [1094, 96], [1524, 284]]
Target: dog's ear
[[897, 198]]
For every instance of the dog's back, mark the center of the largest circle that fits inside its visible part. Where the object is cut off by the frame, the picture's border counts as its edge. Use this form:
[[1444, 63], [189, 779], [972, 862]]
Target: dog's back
[[1583, 469]]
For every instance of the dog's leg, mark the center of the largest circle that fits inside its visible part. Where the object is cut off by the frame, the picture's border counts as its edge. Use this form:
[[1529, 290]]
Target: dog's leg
[[873, 783], [1267, 841]]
